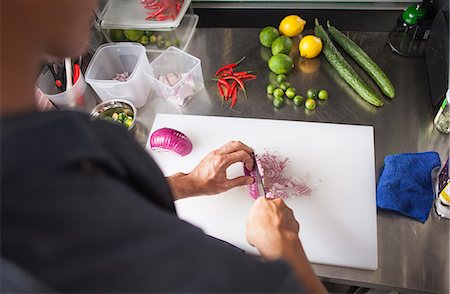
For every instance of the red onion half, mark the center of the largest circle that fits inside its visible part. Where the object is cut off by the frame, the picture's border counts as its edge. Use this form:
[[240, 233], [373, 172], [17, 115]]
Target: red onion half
[[167, 139]]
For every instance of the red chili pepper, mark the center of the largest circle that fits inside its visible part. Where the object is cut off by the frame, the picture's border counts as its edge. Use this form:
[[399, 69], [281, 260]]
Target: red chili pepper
[[243, 73], [154, 14], [162, 17], [236, 74], [234, 96], [229, 66], [164, 9], [226, 85], [232, 88], [239, 81], [226, 72], [247, 77], [152, 5], [219, 86]]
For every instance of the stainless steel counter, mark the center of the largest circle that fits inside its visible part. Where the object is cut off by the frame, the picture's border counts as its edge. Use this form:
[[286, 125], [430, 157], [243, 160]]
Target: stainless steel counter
[[412, 256]]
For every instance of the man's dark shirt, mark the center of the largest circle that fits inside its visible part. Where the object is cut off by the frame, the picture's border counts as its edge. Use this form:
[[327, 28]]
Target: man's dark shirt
[[85, 209]]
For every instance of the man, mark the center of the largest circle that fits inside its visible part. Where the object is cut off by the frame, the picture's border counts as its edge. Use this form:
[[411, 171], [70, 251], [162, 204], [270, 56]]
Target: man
[[85, 209]]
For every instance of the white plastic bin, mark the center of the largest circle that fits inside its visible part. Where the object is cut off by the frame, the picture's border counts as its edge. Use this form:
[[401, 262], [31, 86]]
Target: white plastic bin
[[115, 58], [72, 98], [174, 61]]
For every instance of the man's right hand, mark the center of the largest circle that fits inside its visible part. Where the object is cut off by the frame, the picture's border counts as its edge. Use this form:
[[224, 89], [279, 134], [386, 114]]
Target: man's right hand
[[272, 228]]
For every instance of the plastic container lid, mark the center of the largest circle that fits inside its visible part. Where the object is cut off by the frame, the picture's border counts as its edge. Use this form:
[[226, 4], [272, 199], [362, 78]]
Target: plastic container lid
[[131, 14]]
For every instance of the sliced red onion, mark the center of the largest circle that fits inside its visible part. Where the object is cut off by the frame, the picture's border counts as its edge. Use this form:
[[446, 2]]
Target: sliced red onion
[[167, 139], [122, 77], [272, 167], [170, 79]]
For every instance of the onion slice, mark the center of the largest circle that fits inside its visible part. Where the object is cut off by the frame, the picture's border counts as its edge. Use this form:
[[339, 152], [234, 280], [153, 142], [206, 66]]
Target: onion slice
[[167, 139]]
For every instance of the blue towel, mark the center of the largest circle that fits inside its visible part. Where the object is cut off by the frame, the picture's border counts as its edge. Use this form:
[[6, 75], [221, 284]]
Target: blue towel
[[405, 184]]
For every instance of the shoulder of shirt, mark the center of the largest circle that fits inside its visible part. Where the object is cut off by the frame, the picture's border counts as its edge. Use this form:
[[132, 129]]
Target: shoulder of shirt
[[31, 120]]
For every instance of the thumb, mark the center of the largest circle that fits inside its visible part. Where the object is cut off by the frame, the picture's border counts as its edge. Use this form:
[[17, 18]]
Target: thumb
[[239, 181]]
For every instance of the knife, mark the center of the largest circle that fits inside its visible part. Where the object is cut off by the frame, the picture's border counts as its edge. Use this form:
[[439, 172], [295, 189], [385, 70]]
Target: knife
[[258, 177]]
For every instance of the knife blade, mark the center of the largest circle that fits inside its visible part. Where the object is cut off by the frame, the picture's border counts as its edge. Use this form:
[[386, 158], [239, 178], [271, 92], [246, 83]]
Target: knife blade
[[258, 177]]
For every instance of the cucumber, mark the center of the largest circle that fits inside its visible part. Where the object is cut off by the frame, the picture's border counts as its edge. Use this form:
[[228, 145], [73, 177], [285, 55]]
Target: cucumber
[[344, 69], [363, 60]]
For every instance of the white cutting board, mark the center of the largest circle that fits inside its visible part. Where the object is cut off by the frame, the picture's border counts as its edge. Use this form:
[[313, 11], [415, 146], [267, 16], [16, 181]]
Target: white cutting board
[[337, 221]]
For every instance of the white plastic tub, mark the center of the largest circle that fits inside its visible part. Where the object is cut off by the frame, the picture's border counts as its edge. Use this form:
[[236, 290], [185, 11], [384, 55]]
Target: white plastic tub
[[111, 59], [71, 98], [174, 61]]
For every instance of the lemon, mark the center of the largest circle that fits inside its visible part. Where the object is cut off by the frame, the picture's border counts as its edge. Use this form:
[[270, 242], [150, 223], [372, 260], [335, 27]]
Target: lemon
[[268, 35], [291, 25], [310, 46]]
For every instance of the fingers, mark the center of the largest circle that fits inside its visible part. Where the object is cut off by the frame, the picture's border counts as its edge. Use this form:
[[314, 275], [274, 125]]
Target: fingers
[[239, 181], [234, 146], [237, 151], [239, 156]]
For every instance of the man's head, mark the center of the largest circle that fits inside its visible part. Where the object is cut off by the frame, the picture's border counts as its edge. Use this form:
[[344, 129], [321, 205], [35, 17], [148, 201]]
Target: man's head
[[56, 27]]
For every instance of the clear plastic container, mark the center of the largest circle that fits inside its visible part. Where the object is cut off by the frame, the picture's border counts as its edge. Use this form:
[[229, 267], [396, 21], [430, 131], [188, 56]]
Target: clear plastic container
[[117, 58], [176, 76], [131, 14], [72, 98], [155, 40]]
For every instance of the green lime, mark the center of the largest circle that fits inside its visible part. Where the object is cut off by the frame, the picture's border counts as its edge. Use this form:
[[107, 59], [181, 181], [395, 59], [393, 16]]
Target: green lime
[[133, 35], [144, 40], [281, 78], [310, 103], [116, 35], [152, 39], [323, 95], [271, 88], [160, 44], [311, 93], [298, 100], [281, 44], [272, 76], [122, 116], [278, 93], [278, 102], [176, 43], [268, 35], [285, 85], [280, 64], [290, 92]]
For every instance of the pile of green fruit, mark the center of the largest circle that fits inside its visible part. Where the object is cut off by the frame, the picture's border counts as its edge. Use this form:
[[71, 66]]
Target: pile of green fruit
[[119, 115], [161, 40], [285, 89], [280, 62]]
